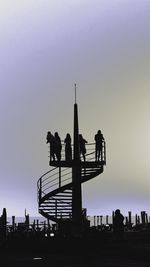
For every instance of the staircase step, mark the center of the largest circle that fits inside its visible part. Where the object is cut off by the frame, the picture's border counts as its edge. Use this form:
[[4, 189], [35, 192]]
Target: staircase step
[[58, 210]]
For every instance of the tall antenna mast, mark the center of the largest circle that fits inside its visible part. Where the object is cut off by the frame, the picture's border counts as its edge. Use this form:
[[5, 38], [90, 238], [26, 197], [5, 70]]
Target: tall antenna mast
[[76, 173], [75, 89]]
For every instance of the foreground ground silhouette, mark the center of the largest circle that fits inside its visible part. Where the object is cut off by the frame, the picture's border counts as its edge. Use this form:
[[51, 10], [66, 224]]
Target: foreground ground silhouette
[[89, 251]]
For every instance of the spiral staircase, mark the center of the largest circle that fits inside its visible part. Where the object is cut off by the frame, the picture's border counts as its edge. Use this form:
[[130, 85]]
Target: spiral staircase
[[55, 186]]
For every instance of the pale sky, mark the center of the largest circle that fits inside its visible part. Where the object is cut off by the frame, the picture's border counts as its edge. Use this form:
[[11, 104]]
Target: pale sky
[[45, 47]]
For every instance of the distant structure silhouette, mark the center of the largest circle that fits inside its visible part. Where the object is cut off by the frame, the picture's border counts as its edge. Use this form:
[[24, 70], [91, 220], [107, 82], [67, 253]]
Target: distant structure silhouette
[[68, 148], [98, 145], [82, 143], [3, 225], [58, 146], [118, 225]]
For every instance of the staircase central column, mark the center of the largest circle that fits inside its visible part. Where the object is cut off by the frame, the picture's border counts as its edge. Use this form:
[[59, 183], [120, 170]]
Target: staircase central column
[[76, 175]]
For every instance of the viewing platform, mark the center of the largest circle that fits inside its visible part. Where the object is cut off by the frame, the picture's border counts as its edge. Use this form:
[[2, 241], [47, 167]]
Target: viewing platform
[[90, 161]]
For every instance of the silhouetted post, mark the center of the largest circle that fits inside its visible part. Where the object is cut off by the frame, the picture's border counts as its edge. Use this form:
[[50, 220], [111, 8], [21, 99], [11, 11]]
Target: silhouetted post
[[5, 221], [3, 225], [4, 216], [13, 222], [113, 214], [76, 176], [136, 219], [107, 219], [94, 221], [129, 217], [101, 220], [48, 223], [97, 220], [27, 221], [126, 220], [37, 224], [143, 217], [33, 225]]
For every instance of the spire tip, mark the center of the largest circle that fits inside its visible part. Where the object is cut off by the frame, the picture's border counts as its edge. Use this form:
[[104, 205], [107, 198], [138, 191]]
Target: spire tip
[[75, 87]]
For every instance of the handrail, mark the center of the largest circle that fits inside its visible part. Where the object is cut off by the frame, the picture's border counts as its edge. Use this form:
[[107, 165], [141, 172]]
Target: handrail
[[47, 183], [88, 148], [45, 174]]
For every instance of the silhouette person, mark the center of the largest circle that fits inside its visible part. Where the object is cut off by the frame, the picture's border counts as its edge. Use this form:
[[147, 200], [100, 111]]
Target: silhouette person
[[51, 140], [98, 145], [68, 148], [58, 146], [118, 225], [82, 143]]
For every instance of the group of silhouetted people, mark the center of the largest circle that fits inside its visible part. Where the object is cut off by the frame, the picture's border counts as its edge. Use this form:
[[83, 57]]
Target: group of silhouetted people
[[56, 146]]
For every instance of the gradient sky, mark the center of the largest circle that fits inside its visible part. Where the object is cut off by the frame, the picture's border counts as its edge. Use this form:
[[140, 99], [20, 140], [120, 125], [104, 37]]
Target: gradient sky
[[45, 47]]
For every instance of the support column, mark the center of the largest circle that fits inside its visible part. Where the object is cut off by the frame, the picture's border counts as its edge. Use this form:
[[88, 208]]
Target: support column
[[76, 175]]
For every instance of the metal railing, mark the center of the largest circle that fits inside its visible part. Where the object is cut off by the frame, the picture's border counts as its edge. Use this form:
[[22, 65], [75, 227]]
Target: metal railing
[[52, 180], [90, 152], [58, 176]]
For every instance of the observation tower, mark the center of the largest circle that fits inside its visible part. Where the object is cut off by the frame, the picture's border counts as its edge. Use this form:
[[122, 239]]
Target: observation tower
[[60, 189]]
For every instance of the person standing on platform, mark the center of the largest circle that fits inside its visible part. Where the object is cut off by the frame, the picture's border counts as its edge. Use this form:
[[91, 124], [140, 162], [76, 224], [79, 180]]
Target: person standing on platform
[[58, 146], [51, 140], [98, 145], [82, 143], [68, 148]]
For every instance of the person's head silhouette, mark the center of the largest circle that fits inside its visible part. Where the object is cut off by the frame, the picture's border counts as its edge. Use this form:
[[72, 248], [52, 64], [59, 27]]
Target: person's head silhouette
[[117, 211]]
